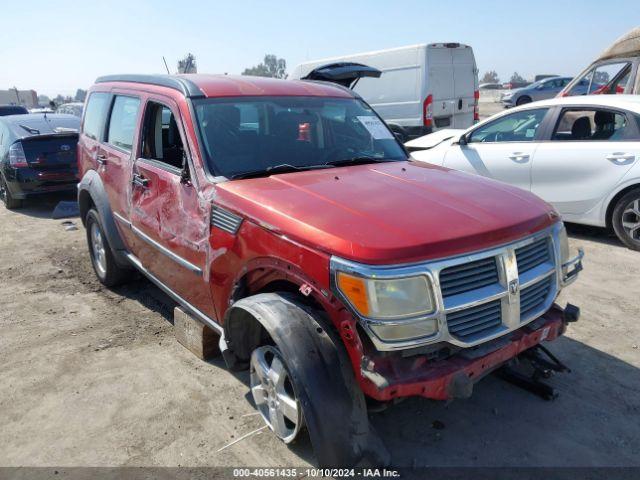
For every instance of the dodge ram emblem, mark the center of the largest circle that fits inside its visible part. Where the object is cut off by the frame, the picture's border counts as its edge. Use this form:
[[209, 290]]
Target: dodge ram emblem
[[514, 287]]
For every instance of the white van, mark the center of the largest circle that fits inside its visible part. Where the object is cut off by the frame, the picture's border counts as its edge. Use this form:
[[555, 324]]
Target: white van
[[423, 88]]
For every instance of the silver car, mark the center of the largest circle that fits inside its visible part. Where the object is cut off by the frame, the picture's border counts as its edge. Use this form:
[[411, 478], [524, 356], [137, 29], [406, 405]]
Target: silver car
[[541, 90]]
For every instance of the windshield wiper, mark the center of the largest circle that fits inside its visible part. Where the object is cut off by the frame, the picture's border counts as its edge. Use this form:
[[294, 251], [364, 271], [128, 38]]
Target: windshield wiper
[[358, 161], [281, 168], [32, 131]]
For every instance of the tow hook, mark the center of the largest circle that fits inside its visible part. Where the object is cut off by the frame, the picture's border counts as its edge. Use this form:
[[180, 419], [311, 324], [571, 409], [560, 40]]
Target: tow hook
[[544, 365], [571, 313]]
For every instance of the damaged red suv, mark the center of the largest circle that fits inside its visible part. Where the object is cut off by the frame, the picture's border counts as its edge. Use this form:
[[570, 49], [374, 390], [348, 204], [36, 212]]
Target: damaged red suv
[[285, 216]]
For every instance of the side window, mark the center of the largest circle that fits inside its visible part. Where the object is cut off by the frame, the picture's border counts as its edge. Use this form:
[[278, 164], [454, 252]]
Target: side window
[[122, 123], [591, 124], [161, 139], [604, 74], [94, 116], [516, 127]]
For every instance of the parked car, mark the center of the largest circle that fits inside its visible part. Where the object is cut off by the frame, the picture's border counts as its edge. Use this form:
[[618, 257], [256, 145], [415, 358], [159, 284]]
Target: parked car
[[581, 154], [615, 71], [37, 155], [12, 110], [284, 216], [74, 108], [490, 86], [541, 90], [423, 88]]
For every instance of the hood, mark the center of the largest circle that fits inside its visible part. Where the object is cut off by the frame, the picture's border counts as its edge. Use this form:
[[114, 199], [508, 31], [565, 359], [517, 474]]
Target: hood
[[433, 139], [394, 212]]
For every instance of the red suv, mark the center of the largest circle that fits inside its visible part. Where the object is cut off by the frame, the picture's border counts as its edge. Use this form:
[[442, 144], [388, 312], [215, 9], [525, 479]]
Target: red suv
[[285, 216]]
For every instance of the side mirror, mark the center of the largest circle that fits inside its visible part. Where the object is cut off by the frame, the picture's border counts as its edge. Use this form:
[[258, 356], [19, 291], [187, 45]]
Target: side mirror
[[462, 140]]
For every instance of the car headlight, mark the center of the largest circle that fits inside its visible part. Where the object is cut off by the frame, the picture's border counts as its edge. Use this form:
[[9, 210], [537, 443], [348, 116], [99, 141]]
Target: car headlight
[[394, 307], [393, 298]]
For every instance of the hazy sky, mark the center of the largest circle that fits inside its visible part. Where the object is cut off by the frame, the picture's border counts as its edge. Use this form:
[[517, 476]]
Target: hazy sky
[[56, 47]]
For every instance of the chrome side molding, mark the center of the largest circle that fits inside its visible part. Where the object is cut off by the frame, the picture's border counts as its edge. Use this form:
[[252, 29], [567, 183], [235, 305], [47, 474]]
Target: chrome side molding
[[161, 248]]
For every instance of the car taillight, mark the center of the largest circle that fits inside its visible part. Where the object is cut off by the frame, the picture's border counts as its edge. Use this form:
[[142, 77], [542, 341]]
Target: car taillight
[[17, 157], [428, 111], [476, 111]]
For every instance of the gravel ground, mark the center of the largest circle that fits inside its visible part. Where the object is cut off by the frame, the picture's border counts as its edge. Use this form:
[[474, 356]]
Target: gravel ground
[[94, 377]]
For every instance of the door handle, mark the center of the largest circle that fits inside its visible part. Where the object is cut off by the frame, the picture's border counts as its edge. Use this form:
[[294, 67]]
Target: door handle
[[101, 159], [140, 181], [618, 157], [519, 157]]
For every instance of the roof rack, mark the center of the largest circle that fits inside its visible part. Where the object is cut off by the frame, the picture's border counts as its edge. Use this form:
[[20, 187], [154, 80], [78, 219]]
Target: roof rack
[[183, 85]]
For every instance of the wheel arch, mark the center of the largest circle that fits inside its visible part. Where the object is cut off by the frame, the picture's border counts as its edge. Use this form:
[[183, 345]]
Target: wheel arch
[[91, 193], [321, 371]]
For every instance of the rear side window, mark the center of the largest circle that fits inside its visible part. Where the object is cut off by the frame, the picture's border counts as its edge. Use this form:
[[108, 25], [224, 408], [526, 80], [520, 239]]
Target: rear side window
[[94, 116], [122, 123], [592, 124]]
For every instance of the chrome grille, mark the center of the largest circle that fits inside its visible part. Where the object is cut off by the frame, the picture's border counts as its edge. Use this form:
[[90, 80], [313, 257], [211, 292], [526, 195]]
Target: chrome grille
[[475, 321], [532, 255], [534, 297], [468, 276]]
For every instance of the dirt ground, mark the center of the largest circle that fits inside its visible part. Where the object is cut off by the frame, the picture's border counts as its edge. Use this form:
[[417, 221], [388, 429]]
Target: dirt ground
[[94, 377]]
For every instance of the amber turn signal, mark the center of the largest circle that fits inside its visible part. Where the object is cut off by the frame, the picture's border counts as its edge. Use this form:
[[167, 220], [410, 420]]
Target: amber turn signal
[[355, 290]]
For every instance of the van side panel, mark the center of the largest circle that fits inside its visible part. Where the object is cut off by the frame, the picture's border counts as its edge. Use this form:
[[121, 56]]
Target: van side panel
[[396, 95]]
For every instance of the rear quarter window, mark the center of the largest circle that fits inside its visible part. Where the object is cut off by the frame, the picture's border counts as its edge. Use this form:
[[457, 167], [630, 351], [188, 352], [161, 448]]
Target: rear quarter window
[[95, 114]]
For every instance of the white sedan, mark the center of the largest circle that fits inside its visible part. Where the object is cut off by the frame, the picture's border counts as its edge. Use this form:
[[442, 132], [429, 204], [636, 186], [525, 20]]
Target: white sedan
[[580, 154]]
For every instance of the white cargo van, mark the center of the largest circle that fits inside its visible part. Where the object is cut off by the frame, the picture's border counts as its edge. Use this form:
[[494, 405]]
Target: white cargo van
[[422, 88]]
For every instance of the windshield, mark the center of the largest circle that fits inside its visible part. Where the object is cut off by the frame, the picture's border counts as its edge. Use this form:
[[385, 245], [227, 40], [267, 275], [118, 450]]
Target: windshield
[[263, 134]]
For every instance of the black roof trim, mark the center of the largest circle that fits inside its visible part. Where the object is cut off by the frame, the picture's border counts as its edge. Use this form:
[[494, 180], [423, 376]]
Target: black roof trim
[[183, 85]]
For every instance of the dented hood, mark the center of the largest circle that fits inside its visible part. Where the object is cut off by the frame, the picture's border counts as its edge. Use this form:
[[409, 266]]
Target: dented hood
[[389, 212]]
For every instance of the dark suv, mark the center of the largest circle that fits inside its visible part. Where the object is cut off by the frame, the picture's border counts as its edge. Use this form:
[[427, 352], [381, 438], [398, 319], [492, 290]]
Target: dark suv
[[286, 217]]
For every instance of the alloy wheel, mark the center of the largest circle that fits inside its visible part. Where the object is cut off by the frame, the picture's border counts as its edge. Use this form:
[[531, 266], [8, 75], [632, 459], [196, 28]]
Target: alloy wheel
[[98, 250], [273, 393], [631, 219]]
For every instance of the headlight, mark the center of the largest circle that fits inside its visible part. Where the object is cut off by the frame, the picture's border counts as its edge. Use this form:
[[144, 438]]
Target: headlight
[[388, 298], [394, 308]]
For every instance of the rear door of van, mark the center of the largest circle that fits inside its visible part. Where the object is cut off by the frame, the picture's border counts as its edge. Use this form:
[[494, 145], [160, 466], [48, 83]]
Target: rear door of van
[[452, 83]]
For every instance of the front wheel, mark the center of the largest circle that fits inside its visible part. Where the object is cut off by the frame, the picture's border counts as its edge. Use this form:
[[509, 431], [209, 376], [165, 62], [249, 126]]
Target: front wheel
[[523, 100], [274, 393], [626, 219]]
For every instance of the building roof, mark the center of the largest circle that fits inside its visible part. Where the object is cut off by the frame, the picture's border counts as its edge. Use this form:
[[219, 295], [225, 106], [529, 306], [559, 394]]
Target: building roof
[[201, 86]]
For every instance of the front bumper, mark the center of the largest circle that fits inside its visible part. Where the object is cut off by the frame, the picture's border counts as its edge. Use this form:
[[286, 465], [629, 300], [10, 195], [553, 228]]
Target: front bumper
[[393, 376], [571, 268]]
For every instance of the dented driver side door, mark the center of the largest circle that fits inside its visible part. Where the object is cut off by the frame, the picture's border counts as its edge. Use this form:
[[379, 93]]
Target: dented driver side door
[[167, 214]]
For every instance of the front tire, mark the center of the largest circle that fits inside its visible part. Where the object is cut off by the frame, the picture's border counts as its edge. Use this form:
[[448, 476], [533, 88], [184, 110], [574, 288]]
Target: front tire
[[102, 260], [626, 219], [9, 202], [523, 100]]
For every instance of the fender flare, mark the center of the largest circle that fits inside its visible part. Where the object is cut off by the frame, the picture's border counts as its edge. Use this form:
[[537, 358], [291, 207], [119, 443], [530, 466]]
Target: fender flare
[[91, 184], [324, 379]]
